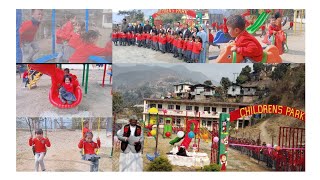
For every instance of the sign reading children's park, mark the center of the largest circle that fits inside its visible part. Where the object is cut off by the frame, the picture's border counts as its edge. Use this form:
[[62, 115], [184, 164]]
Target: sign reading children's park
[[188, 12], [267, 109]]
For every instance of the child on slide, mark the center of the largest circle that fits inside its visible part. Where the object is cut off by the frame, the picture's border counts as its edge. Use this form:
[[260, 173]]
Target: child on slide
[[66, 91], [40, 144], [246, 44], [89, 147]]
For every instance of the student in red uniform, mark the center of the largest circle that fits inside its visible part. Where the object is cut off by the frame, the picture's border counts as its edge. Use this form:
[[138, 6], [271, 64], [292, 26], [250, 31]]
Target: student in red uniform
[[66, 91], [75, 39], [163, 42], [138, 39], [189, 45], [184, 49], [114, 37], [143, 39], [27, 33], [68, 27], [174, 45], [179, 46], [196, 49], [148, 40], [89, 48], [128, 38], [40, 145], [155, 41], [291, 25], [246, 44], [133, 38], [89, 148], [25, 78], [263, 30], [168, 38], [273, 28]]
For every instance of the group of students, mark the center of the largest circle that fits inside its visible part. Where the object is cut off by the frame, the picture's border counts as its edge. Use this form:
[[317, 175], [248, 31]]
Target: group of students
[[74, 43], [40, 144], [187, 49], [246, 44]]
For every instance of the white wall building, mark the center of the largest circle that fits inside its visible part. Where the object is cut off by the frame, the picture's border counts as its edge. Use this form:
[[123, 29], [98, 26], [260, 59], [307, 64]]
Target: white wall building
[[107, 18], [179, 110]]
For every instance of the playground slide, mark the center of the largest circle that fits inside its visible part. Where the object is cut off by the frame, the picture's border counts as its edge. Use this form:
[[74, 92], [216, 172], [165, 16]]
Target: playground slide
[[57, 75], [261, 19], [186, 141], [220, 38]]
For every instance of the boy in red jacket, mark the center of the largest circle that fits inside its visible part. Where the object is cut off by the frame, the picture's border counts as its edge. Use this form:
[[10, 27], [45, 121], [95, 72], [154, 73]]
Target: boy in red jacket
[[128, 38], [89, 152], [155, 41], [85, 129], [168, 44], [114, 37], [138, 39], [148, 40], [179, 44], [143, 39], [184, 49], [133, 38], [39, 144], [196, 49], [291, 25], [89, 48], [162, 43], [189, 45], [27, 33], [246, 44], [174, 45]]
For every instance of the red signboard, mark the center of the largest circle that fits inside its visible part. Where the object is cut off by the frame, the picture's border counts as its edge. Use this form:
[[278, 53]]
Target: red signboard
[[191, 13]]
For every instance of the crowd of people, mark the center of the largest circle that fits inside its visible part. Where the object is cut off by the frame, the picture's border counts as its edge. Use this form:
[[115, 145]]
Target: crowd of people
[[184, 42]]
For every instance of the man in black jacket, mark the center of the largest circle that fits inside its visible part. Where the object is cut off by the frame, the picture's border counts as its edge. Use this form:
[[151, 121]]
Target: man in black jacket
[[138, 28], [147, 28], [185, 31]]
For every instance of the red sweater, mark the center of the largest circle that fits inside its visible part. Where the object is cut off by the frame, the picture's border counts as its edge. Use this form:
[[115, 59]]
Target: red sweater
[[67, 29], [263, 27], [291, 24], [247, 45], [179, 43], [39, 144], [68, 87], [174, 42], [60, 36], [85, 50], [189, 45], [169, 39], [155, 38], [25, 74], [162, 40], [185, 45], [196, 48], [148, 36], [273, 28], [143, 36], [138, 37], [114, 35], [28, 31], [129, 36], [122, 35], [75, 41], [89, 147], [210, 38]]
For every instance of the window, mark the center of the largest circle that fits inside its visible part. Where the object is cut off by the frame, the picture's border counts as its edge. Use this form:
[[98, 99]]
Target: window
[[224, 109], [206, 109], [214, 109], [231, 109], [203, 123], [233, 89], [196, 108], [159, 106], [170, 106], [178, 121], [189, 108], [177, 107], [209, 123], [153, 105], [177, 88]]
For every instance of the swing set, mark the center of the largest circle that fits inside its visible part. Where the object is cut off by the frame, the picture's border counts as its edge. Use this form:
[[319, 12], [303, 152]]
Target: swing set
[[98, 129], [53, 54], [31, 123]]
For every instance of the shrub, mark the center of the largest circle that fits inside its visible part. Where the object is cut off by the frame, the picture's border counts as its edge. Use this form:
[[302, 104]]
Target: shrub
[[160, 164], [212, 167]]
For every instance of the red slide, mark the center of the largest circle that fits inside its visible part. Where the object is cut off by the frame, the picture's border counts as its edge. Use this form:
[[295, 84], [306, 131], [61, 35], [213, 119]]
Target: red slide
[[57, 75], [186, 141]]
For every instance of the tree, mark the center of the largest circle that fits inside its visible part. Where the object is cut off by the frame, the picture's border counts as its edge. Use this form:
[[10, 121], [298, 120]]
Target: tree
[[279, 71], [244, 75], [258, 67], [225, 83], [117, 102], [170, 18], [208, 83], [133, 15]]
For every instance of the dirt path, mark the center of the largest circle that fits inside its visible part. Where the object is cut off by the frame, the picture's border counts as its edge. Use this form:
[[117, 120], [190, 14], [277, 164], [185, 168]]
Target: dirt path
[[63, 155], [264, 136], [134, 54], [35, 102]]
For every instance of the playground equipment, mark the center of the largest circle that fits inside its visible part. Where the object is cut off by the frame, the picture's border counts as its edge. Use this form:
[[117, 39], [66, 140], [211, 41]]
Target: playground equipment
[[53, 54], [258, 23], [57, 76], [98, 129], [155, 134], [270, 55], [221, 37], [167, 128], [32, 123], [33, 78], [298, 19], [279, 40]]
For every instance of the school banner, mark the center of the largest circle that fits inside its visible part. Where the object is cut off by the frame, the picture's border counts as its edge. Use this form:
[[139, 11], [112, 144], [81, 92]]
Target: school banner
[[191, 13], [267, 109]]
